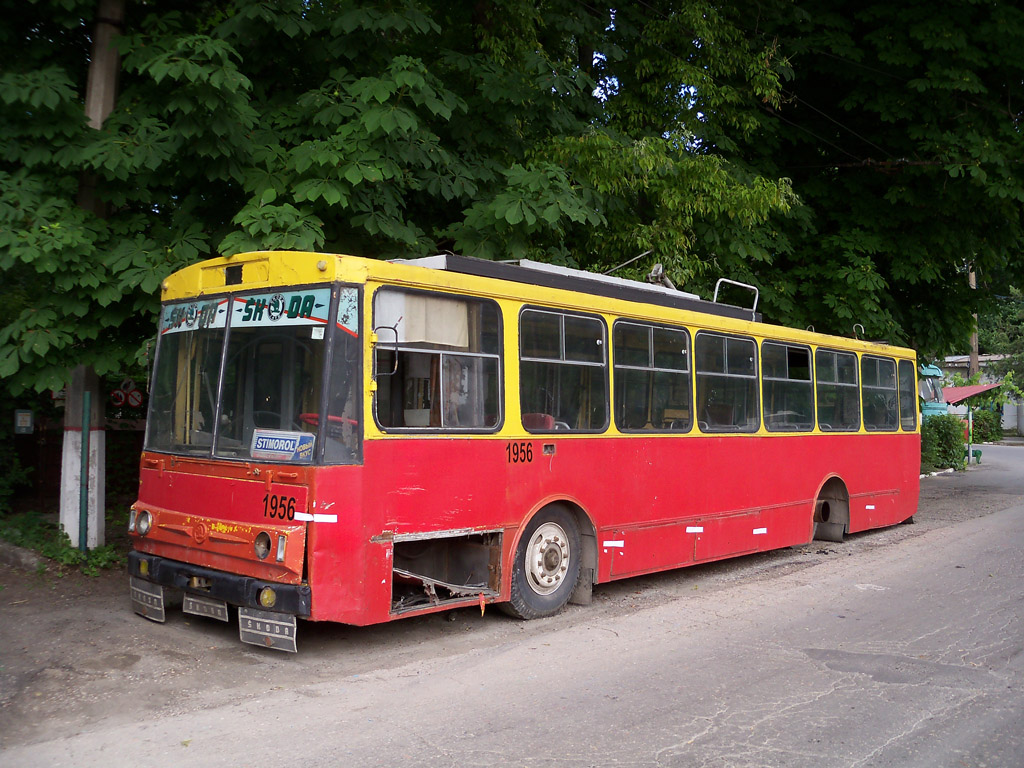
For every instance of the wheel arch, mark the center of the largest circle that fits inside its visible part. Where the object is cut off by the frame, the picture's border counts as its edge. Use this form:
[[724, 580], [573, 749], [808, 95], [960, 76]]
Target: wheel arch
[[831, 514]]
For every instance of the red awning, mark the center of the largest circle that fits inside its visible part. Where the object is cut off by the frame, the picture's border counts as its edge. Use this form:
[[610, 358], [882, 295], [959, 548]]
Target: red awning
[[955, 395]]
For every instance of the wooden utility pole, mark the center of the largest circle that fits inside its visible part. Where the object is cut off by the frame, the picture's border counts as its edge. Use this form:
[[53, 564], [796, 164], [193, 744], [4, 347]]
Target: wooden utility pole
[[100, 94]]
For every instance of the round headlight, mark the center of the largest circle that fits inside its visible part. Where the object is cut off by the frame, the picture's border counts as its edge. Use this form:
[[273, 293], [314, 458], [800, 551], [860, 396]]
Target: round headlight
[[262, 545], [143, 522]]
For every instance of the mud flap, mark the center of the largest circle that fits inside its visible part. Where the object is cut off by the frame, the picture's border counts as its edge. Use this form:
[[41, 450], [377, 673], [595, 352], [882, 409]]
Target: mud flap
[[584, 592], [147, 599], [267, 629], [204, 606], [829, 531]]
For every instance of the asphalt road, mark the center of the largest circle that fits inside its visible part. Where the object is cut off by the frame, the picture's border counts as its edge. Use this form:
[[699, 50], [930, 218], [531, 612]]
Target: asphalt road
[[896, 648]]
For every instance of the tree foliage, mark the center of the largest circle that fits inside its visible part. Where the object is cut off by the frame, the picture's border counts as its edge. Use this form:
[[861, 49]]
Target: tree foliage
[[900, 126], [557, 130], [1001, 332], [385, 129]]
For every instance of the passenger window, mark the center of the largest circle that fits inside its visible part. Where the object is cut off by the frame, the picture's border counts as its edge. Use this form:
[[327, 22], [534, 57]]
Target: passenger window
[[908, 395], [878, 380], [726, 371], [437, 361], [563, 382], [788, 389], [652, 378], [838, 394]]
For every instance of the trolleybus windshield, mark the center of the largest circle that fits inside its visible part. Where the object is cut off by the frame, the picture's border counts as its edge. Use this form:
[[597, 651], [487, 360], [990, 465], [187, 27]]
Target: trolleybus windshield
[[244, 377]]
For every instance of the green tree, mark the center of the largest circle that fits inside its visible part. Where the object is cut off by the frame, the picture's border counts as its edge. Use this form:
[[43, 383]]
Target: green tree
[[1001, 332], [900, 126], [384, 129]]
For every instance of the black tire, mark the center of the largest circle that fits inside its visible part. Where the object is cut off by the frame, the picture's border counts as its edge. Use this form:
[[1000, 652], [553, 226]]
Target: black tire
[[542, 586]]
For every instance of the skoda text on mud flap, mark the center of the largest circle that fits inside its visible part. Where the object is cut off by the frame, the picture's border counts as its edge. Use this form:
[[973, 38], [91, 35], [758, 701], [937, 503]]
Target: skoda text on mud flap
[[333, 438]]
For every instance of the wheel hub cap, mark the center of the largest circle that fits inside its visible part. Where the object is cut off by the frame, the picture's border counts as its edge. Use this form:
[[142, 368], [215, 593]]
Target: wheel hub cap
[[547, 558]]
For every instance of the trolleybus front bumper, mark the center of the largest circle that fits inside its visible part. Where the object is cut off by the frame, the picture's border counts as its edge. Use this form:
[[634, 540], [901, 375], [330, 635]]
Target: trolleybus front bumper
[[209, 593]]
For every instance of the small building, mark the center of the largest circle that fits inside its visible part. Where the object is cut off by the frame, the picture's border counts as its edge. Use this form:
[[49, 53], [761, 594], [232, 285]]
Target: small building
[[1013, 413]]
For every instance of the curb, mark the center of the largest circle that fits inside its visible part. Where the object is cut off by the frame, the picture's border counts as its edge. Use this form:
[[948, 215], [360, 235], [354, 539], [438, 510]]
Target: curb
[[935, 474], [19, 557]]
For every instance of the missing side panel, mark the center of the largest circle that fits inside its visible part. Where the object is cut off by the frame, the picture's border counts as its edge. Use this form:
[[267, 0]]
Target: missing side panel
[[435, 570]]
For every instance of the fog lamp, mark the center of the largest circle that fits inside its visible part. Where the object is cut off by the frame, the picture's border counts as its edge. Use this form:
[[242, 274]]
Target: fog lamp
[[143, 567], [268, 597], [143, 522], [262, 545]]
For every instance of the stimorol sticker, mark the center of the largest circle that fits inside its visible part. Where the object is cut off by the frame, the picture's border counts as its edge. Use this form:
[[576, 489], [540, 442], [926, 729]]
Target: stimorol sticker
[[278, 445]]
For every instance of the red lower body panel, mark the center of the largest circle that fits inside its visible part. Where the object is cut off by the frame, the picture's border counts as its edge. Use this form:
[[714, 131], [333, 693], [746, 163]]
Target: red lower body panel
[[652, 503]]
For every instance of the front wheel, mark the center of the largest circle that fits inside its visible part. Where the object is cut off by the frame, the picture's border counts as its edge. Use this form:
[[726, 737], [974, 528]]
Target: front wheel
[[546, 566]]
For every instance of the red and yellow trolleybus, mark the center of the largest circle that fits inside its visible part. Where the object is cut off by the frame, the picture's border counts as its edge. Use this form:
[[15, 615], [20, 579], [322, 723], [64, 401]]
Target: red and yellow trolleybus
[[343, 439]]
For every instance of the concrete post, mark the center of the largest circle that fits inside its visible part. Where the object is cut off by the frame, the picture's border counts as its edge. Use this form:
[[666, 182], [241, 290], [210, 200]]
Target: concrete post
[[101, 88], [100, 95], [84, 377]]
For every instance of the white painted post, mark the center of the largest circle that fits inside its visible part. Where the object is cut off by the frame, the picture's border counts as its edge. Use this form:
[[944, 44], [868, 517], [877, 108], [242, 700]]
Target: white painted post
[[71, 460], [970, 432]]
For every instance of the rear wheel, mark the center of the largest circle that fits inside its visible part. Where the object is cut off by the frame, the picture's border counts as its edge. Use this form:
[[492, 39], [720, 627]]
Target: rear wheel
[[546, 566]]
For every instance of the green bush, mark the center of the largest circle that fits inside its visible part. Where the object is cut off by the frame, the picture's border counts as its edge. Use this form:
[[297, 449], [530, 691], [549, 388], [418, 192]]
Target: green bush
[[942, 443], [32, 531], [988, 426], [12, 474]]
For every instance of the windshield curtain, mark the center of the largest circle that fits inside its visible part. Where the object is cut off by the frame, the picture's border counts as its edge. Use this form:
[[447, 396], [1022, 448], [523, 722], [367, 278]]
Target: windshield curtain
[[267, 356]]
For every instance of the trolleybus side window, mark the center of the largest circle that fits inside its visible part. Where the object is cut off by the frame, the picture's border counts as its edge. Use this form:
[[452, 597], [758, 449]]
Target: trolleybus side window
[[838, 393], [788, 388], [437, 361], [652, 378], [726, 372], [878, 381], [908, 395], [563, 374]]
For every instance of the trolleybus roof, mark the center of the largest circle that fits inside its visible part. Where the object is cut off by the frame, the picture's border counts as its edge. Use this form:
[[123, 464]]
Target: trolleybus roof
[[551, 276]]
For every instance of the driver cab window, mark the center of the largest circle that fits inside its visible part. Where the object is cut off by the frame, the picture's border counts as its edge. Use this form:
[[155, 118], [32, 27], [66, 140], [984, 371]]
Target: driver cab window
[[437, 361]]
